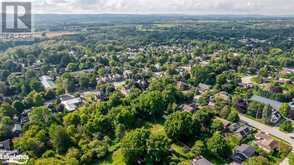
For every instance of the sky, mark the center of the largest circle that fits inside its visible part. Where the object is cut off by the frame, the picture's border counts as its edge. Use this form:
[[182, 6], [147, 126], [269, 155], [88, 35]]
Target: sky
[[198, 7]]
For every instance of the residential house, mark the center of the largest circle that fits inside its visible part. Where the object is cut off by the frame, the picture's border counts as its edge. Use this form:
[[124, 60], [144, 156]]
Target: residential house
[[291, 113], [243, 153], [109, 78], [222, 95], [246, 82], [226, 123], [15, 119], [243, 131], [182, 85], [288, 70], [16, 130], [187, 68], [143, 84], [24, 116], [266, 142], [70, 103], [200, 161], [47, 82], [203, 87], [291, 104], [127, 74], [283, 81], [125, 91], [234, 127], [188, 107], [100, 96], [5, 145], [196, 99], [276, 116], [235, 163]]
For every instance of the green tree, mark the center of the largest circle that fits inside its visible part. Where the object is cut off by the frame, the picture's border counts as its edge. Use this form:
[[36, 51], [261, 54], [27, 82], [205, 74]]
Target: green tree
[[157, 149], [218, 146], [225, 111], [286, 126], [49, 161], [71, 67], [233, 117], [133, 145], [216, 125], [40, 116], [285, 109], [84, 82], [34, 99], [150, 105], [92, 150], [59, 138], [201, 121], [178, 126], [18, 106], [198, 149], [36, 85], [254, 108], [3, 88], [6, 110], [291, 158], [33, 141], [5, 127], [72, 119], [267, 114]]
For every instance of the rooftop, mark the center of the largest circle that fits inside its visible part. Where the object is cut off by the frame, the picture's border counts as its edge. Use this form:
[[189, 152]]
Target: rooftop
[[200, 161], [47, 82], [204, 86], [71, 104], [273, 103], [246, 149]]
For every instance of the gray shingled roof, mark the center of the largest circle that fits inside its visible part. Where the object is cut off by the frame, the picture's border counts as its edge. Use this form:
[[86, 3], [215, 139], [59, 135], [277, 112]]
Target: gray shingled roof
[[200, 161], [246, 149], [204, 86], [273, 103]]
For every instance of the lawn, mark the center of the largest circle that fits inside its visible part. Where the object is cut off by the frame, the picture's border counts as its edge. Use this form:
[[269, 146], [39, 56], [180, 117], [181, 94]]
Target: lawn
[[157, 129]]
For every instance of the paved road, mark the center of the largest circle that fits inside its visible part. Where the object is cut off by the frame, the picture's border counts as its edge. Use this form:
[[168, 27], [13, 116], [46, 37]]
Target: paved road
[[271, 130], [285, 162]]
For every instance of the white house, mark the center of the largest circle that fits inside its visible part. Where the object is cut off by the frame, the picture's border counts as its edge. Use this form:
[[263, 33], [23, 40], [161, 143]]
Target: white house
[[291, 104], [71, 104], [47, 82]]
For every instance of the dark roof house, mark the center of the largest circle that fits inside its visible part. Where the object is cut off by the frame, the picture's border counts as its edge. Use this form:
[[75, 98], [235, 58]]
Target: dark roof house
[[243, 152], [234, 127], [5, 145], [243, 131], [200, 161]]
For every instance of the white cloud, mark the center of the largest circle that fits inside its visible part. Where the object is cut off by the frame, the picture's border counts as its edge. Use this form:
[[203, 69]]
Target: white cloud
[[269, 7]]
